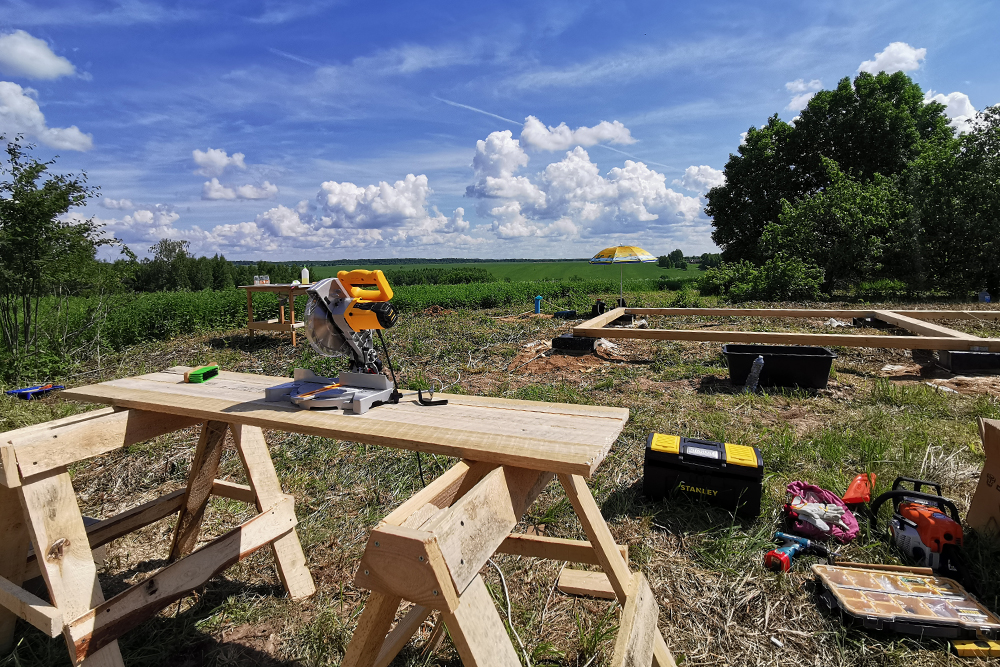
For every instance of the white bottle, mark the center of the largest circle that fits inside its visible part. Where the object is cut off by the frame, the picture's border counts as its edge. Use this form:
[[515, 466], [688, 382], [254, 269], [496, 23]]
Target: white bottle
[[305, 275]]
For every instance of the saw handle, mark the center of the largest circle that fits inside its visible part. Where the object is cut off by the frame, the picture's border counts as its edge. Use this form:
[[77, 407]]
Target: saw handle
[[898, 495], [352, 280]]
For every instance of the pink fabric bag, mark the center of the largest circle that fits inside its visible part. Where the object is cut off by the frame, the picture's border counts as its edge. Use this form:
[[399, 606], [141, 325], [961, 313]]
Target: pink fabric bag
[[815, 494]]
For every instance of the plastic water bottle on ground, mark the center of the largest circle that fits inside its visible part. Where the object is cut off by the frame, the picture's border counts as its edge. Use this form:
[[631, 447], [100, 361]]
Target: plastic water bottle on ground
[[754, 377]]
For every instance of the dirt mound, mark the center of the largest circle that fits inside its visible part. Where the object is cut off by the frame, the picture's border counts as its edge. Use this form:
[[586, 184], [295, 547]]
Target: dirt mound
[[436, 310], [553, 361]]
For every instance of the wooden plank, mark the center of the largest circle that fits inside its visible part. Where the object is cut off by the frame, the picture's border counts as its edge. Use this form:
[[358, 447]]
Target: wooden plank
[[40, 451], [369, 636], [406, 562], [582, 582], [440, 493], [604, 319], [988, 315], [541, 441], [787, 338], [553, 548], [233, 491], [96, 627], [469, 532], [20, 603], [204, 467], [112, 528], [60, 539], [634, 643], [7, 436], [15, 540], [918, 326], [795, 313], [401, 634], [662, 657], [288, 555], [600, 536], [9, 475], [478, 632]]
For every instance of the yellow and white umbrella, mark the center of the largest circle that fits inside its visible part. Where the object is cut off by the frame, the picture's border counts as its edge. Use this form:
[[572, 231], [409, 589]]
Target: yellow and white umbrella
[[622, 254]]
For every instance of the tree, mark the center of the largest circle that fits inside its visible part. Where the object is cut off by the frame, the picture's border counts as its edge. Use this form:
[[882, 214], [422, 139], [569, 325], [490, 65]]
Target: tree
[[848, 229], [42, 252], [677, 258], [875, 125], [956, 208], [663, 262]]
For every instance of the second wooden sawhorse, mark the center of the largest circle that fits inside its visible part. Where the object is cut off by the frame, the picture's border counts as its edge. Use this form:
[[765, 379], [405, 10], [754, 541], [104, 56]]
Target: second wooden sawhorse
[[42, 529], [430, 550]]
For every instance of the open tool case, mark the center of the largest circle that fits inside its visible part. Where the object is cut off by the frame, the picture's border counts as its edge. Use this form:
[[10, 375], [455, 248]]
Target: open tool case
[[905, 601]]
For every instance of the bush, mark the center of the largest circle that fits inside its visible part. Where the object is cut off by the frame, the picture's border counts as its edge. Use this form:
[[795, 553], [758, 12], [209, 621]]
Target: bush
[[779, 279], [433, 276], [881, 290], [666, 283]]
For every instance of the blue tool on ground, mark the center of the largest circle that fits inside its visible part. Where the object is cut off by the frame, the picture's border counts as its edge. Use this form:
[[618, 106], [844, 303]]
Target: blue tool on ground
[[781, 558], [31, 393]]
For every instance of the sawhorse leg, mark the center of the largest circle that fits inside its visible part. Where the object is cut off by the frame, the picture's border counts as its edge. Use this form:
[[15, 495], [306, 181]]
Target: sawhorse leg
[[60, 539], [14, 543]]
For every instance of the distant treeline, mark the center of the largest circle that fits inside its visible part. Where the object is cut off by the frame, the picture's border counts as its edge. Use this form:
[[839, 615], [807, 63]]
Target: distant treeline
[[173, 269], [409, 260]]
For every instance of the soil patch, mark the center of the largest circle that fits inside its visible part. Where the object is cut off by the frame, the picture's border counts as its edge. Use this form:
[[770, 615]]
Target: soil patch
[[436, 310]]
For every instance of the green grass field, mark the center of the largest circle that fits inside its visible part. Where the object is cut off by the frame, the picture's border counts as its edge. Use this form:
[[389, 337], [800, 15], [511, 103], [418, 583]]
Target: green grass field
[[519, 271]]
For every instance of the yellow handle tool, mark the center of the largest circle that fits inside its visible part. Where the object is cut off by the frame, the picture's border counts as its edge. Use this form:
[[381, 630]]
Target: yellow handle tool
[[353, 280]]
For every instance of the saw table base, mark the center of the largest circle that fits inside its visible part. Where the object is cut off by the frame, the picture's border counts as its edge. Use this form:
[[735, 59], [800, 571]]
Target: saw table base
[[430, 550], [42, 529]]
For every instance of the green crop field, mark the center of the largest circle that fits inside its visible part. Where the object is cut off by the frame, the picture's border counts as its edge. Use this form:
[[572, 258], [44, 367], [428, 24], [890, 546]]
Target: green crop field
[[519, 271]]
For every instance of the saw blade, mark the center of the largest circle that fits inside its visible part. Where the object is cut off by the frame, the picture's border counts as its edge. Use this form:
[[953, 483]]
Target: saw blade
[[324, 337]]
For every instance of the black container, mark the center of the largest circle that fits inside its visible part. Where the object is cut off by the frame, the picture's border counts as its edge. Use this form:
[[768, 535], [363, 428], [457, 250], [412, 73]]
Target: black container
[[784, 365], [722, 474], [573, 343], [969, 362]]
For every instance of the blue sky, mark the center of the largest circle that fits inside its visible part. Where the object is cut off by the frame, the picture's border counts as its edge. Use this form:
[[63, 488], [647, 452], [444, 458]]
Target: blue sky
[[326, 130]]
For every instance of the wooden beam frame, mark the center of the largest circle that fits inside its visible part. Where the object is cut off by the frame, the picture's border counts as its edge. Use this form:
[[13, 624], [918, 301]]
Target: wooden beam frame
[[930, 336]]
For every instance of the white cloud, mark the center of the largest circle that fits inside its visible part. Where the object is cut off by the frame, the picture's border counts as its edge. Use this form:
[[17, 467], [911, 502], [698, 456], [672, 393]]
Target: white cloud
[[147, 225], [805, 91], [570, 197], [958, 108], [213, 189], [700, 178], [536, 135], [20, 114], [117, 204], [27, 56], [897, 57], [215, 161]]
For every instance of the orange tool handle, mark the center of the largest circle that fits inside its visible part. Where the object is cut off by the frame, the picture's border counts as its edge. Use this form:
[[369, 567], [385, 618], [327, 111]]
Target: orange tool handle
[[351, 279]]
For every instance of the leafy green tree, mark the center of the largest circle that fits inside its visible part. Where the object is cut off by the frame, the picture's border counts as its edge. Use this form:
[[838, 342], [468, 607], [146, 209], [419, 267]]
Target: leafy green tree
[[677, 258], [956, 208], [781, 278], [663, 261], [873, 125], [849, 228], [42, 253]]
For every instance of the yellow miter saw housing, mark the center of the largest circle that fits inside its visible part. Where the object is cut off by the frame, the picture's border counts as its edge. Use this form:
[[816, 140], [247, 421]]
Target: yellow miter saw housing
[[341, 315]]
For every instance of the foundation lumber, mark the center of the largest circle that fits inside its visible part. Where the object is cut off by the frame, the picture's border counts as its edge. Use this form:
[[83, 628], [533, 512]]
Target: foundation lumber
[[795, 313], [96, 628], [634, 643], [553, 548], [604, 319], [779, 338], [919, 327], [478, 632]]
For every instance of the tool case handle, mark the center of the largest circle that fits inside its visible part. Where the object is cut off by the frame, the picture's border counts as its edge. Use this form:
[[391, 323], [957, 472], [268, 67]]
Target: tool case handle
[[918, 484], [896, 495]]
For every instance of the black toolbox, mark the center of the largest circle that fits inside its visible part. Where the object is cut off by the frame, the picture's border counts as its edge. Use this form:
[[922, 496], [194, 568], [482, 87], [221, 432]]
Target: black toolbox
[[722, 474]]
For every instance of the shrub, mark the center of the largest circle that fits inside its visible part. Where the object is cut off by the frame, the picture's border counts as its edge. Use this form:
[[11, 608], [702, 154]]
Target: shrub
[[779, 279]]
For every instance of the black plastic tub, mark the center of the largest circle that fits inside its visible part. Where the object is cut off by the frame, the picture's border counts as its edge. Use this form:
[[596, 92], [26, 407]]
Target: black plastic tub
[[784, 365]]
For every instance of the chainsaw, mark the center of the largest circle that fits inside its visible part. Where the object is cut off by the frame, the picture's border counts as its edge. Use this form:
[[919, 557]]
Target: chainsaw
[[921, 528], [341, 316]]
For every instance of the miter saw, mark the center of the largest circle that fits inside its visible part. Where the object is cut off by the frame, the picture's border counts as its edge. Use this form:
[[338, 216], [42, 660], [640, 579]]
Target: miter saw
[[341, 316]]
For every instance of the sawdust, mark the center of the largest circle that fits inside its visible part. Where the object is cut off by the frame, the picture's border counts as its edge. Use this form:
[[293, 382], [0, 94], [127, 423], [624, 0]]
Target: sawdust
[[436, 310]]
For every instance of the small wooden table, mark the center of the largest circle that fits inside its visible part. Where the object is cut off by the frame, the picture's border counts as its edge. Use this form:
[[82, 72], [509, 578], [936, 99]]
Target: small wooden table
[[278, 323], [431, 549]]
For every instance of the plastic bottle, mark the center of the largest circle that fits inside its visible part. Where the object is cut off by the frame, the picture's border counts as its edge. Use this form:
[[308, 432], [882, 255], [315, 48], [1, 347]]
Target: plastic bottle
[[754, 377], [305, 275]]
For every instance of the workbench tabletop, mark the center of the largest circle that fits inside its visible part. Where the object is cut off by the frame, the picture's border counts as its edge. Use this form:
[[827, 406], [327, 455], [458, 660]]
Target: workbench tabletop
[[554, 437]]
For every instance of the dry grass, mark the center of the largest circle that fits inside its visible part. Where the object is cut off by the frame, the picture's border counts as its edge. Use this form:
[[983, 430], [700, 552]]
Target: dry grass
[[718, 605]]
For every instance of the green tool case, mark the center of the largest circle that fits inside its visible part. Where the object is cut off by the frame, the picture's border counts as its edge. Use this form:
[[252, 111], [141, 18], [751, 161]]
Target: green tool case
[[722, 474]]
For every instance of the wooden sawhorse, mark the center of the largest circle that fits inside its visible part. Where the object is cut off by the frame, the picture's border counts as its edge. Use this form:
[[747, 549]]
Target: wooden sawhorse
[[430, 550], [42, 529]]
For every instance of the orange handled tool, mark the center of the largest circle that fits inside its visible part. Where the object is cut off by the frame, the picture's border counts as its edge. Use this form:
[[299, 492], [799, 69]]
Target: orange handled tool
[[353, 282]]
